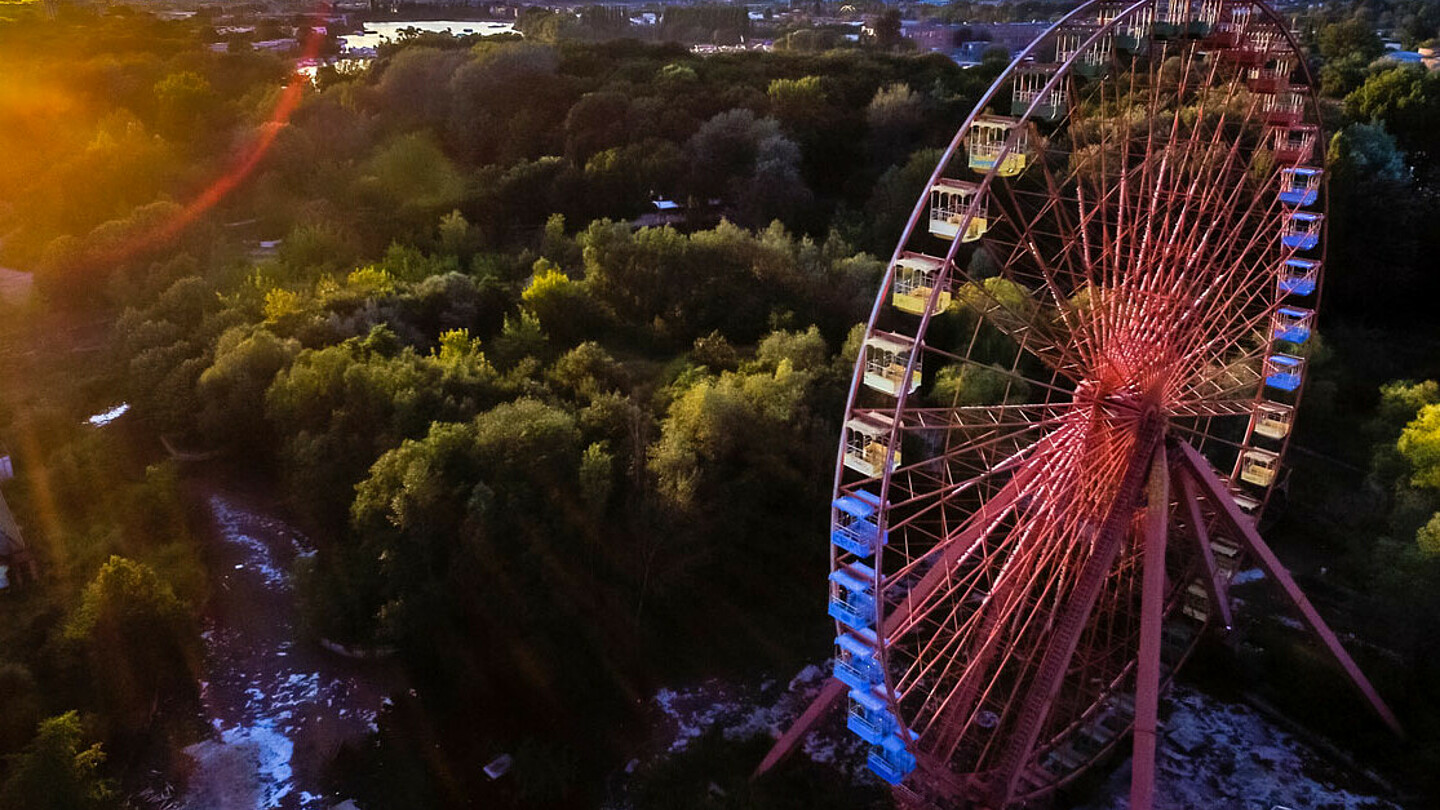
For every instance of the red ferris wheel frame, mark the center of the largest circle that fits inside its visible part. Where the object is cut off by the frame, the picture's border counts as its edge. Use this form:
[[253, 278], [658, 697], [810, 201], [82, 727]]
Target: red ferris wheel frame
[[1027, 570]]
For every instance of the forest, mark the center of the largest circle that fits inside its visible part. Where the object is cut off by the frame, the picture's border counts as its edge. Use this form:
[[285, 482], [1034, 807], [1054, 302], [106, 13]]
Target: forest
[[557, 446]]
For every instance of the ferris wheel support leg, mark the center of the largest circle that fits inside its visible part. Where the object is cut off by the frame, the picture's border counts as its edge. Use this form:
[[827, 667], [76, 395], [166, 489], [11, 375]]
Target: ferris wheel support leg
[[829, 693], [1070, 623], [1216, 586], [1152, 616], [1201, 472]]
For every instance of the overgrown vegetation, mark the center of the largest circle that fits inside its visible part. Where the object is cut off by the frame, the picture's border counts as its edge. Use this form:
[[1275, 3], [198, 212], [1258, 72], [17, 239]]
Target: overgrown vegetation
[[554, 446]]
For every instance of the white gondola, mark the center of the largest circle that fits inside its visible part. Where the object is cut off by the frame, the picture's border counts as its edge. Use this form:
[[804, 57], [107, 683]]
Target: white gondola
[[1029, 88], [886, 356], [914, 282], [986, 141], [954, 203], [1272, 420], [1259, 467], [867, 443]]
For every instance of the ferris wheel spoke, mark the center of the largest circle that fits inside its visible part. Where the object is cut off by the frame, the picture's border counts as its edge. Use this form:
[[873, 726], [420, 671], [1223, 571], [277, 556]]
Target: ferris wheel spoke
[[1211, 407]]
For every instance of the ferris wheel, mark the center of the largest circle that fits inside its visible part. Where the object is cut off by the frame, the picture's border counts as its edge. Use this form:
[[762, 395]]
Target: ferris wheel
[[1076, 389]]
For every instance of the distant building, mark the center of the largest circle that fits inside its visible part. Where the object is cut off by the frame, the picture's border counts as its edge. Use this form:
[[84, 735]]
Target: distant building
[[15, 559]]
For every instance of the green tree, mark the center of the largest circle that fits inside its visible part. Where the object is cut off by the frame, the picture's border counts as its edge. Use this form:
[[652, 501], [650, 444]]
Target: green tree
[[20, 695], [1352, 37], [411, 177], [895, 116], [185, 101], [587, 371], [751, 162], [137, 639], [57, 772], [596, 122], [564, 307], [1406, 100], [797, 103], [1419, 444], [232, 390], [886, 29], [597, 476]]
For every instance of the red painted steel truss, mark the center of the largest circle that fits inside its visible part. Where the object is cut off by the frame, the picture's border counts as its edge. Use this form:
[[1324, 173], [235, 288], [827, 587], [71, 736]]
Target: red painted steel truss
[[1073, 400]]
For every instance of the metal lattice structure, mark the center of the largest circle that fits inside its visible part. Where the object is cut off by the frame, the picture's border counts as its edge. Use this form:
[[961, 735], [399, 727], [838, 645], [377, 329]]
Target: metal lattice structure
[[1076, 390]]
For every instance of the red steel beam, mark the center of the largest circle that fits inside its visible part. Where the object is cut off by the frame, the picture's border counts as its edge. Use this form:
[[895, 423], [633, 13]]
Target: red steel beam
[[979, 524], [829, 693], [1215, 491], [1216, 585], [1070, 623], [1152, 615]]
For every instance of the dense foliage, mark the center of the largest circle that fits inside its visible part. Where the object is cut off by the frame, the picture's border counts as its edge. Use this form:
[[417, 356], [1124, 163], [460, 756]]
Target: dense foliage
[[555, 445]]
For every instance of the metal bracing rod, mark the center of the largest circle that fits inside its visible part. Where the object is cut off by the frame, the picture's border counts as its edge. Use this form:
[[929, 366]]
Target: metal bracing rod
[[955, 549], [829, 693], [1091, 580], [1216, 586], [1214, 490], [1152, 615]]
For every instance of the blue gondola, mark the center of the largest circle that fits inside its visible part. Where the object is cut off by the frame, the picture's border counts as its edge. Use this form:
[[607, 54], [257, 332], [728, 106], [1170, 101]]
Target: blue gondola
[[1282, 371], [853, 602], [1292, 324], [857, 664], [1299, 276], [869, 716], [855, 529], [890, 760], [1302, 230], [1300, 185]]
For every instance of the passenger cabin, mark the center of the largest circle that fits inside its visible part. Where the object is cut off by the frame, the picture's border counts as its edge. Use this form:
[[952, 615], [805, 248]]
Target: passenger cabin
[[1256, 46], [890, 760], [1227, 554], [886, 357], [856, 529], [957, 210], [1294, 144], [857, 663], [1284, 109], [1197, 601], [1247, 504], [1170, 18], [1302, 230], [1202, 20], [852, 595], [1258, 467], [1283, 371], [914, 281], [1272, 420], [1228, 29], [16, 562], [1108, 10], [1132, 33], [986, 143], [1300, 185], [869, 716], [1299, 276], [867, 443], [1292, 324], [1029, 88], [1090, 60], [1271, 77]]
